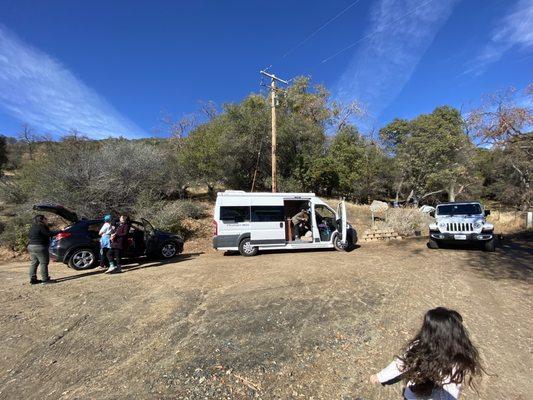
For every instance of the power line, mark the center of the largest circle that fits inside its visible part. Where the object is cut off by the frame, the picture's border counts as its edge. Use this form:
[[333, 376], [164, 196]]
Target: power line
[[320, 28], [373, 33]]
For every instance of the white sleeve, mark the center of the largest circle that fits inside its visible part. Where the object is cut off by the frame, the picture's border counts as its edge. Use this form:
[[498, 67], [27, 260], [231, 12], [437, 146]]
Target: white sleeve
[[453, 389], [391, 371], [103, 229]]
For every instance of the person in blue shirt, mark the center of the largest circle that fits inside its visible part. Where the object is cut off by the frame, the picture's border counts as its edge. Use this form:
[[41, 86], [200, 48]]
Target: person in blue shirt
[[105, 239]]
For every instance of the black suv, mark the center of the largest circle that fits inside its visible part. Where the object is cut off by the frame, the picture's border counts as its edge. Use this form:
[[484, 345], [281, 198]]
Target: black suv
[[78, 245]]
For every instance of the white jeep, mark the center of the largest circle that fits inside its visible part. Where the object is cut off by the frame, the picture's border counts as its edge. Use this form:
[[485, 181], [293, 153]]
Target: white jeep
[[461, 222]]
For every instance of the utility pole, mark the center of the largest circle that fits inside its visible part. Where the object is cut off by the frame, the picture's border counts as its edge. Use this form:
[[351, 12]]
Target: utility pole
[[273, 89]]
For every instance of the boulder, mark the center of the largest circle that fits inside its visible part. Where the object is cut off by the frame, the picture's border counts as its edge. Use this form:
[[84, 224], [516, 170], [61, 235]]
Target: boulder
[[378, 206]]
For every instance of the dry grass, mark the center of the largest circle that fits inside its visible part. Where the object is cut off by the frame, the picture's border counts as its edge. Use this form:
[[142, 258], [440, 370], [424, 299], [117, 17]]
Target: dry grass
[[404, 221], [508, 221]]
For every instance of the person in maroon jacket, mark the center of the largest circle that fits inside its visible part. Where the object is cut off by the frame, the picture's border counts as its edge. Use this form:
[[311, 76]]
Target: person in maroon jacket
[[119, 242]]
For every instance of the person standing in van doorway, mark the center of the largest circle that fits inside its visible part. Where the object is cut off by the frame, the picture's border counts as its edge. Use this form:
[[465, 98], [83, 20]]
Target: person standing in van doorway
[[39, 242], [119, 242], [105, 239], [300, 222]]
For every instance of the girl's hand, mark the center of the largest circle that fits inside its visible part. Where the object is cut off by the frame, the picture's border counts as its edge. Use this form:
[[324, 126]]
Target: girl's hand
[[374, 379]]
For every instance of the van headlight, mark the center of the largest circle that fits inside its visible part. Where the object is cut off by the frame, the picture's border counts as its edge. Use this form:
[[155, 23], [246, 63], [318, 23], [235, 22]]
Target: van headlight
[[442, 225], [478, 224]]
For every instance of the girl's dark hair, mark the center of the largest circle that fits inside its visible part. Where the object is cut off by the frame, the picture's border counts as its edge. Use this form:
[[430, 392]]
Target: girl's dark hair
[[39, 219], [440, 353]]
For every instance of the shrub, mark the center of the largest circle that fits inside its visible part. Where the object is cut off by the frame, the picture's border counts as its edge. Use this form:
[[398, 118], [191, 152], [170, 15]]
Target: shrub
[[94, 177], [170, 216], [406, 221], [16, 228]]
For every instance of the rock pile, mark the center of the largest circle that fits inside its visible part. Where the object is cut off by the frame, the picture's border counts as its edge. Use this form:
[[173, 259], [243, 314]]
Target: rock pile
[[379, 235]]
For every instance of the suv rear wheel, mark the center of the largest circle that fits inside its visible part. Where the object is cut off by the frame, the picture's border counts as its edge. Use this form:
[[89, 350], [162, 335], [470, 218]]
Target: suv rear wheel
[[169, 250], [82, 259]]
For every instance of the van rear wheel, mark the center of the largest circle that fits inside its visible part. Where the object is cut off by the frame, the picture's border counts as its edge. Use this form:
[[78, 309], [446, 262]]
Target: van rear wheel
[[246, 249]]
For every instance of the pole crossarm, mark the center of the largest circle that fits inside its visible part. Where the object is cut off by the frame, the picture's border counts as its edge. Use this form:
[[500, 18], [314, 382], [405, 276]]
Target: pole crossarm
[[273, 77]]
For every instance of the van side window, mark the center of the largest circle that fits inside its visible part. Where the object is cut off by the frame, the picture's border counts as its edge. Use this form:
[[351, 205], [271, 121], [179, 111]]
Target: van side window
[[235, 214], [268, 214]]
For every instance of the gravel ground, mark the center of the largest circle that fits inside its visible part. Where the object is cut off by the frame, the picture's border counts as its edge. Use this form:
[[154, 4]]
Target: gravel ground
[[310, 325]]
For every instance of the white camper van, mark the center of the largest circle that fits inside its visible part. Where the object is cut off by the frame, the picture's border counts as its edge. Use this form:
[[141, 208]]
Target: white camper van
[[250, 222]]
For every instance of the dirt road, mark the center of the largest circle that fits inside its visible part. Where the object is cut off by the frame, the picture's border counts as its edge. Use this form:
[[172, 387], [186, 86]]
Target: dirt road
[[311, 325]]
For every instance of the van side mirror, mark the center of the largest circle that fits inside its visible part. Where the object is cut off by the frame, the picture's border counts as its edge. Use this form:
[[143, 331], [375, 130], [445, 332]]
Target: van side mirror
[[487, 213], [432, 213]]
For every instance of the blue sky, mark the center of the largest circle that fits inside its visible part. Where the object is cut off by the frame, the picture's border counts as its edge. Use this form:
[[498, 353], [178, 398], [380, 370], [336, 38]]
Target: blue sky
[[109, 68]]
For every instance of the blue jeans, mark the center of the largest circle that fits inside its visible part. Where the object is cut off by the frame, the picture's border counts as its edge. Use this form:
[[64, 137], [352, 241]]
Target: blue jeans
[[104, 255]]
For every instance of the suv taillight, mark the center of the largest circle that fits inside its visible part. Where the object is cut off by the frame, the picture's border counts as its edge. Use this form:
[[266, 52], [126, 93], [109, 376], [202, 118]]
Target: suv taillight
[[63, 235], [215, 228]]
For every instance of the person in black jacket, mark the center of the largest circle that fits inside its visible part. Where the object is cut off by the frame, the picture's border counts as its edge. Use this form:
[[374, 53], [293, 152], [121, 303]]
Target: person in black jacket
[[39, 236], [119, 243]]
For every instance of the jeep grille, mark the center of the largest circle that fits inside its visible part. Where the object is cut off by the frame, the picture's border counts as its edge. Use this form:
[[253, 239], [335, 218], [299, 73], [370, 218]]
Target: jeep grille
[[460, 227]]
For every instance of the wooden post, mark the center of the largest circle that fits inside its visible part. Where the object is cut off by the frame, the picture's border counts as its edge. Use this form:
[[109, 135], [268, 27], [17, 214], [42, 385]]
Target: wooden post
[[273, 89], [274, 143]]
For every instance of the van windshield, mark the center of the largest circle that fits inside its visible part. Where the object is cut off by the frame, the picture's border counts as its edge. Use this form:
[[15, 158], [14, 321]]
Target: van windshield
[[459, 209]]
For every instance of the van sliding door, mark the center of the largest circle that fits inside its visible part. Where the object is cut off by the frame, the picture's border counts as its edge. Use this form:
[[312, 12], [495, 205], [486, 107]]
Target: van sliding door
[[267, 222]]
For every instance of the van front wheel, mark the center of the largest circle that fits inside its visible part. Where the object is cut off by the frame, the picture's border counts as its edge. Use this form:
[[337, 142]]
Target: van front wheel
[[246, 249], [337, 242]]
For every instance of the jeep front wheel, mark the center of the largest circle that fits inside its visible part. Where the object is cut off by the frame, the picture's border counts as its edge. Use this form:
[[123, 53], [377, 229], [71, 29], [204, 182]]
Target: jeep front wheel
[[489, 245], [433, 244]]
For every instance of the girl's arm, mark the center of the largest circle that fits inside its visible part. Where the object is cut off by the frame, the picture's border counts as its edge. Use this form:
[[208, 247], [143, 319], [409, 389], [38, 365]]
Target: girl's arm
[[103, 229], [389, 373], [454, 389]]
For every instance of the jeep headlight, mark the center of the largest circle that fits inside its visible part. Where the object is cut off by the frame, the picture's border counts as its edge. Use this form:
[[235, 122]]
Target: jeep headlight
[[478, 225], [442, 225]]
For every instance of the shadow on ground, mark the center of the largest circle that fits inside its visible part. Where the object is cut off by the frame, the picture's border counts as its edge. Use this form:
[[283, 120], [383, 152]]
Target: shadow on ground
[[130, 266], [231, 253], [513, 258]]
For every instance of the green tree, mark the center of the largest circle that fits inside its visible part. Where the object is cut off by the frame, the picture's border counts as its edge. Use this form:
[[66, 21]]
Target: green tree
[[3, 153], [233, 148], [322, 176], [201, 154], [433, 154], [347, 151]]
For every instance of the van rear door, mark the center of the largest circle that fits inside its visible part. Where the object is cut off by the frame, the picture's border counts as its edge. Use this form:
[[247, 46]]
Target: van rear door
[[267, 221], [341, 215]]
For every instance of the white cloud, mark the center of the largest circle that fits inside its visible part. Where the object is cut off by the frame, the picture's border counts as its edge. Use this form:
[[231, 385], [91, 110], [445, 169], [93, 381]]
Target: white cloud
[[514, 30], [400, 32], [38, 90]]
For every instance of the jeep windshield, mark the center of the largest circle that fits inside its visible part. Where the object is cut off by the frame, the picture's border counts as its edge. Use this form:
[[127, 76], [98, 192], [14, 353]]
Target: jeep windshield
[[459, 209]]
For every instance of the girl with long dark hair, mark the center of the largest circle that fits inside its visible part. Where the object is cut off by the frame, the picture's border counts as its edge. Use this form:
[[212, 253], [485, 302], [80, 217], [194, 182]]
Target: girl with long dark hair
[[437, 361]]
